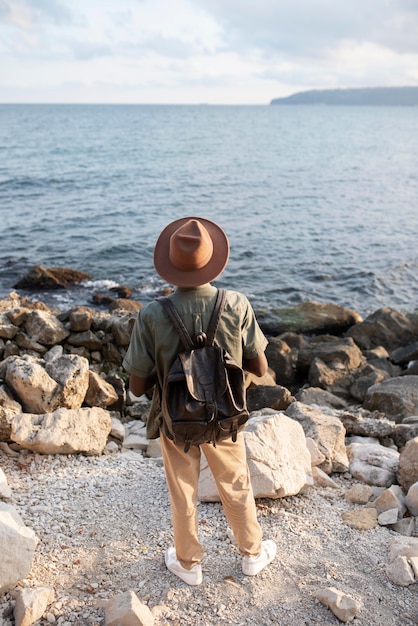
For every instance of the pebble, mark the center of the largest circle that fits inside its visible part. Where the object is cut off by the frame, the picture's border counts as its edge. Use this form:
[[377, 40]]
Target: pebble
[[112, 514]]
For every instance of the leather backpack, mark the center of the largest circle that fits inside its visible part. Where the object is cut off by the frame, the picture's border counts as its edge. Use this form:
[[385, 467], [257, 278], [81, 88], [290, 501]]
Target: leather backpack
[[203, 396]]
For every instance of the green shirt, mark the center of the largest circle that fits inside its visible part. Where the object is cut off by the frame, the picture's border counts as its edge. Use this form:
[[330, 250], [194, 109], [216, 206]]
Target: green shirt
[[155, 343]]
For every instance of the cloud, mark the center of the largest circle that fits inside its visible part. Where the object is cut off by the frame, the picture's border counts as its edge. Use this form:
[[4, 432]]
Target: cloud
[[25, 14], [306, 27], [204, 50]]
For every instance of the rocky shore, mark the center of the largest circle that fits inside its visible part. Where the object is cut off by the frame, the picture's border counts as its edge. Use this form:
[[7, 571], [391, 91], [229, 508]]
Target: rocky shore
[[332, 447]]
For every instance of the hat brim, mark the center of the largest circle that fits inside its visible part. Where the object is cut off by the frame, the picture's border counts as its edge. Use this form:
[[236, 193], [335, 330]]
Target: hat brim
[[194, 278]]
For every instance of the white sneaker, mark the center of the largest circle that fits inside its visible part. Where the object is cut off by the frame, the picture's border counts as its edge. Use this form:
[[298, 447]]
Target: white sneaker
[[191, 576], [252, 565]]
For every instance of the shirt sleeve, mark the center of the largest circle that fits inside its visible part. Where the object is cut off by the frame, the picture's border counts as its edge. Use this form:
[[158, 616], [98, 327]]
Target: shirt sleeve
[[254, 341], [139, 358]]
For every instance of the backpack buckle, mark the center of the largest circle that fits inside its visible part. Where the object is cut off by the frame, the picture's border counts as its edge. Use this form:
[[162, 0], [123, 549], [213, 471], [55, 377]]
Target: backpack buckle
[[200, 340]]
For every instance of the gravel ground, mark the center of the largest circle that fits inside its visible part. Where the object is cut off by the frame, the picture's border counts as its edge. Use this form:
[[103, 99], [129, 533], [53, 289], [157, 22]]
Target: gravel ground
[[104, 524]]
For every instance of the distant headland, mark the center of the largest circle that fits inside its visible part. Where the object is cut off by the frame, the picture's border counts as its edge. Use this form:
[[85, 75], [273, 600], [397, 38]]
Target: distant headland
[[369, 96]]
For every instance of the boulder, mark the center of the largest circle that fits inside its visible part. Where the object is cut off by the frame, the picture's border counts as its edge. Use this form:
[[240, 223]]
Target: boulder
[[80, 319], [18, 545], [396, 397], [32, 385], [65, 431], [262, 396], [315, 396], [280, 359], [373, 464], [99, 393], [385, 327], [44, 327], [405, 431], [392, 498], [72, 373], [8, 408], [328, 433], [333, 351], [408, 464], [405, 354], [7, 329], [411, 500], [365, 424], [122, 328], [306, 318], [278, 458], [40, 277], [86, 339], [369, 376]]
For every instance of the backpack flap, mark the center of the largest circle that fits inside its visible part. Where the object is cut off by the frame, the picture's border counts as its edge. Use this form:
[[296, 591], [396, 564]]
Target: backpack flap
[[205, 374]]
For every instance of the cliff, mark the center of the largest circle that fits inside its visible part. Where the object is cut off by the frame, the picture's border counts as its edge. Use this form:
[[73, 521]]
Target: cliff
[[370, 96]]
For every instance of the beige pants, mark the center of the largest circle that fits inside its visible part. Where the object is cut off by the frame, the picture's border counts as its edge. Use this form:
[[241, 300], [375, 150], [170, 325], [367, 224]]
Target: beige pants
[[228, 464]]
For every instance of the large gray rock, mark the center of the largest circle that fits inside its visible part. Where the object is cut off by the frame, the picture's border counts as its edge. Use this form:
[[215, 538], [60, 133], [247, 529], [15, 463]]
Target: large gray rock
[[278, 458], [396, 397], [385, 327], [274, 397], [373, 464], [365, 424], [280, 359], [327, 431], [18, 545], [65, 431], [315, 396], [308, 317]]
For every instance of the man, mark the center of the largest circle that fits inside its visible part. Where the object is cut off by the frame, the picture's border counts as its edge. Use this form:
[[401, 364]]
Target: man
[[190, 253]]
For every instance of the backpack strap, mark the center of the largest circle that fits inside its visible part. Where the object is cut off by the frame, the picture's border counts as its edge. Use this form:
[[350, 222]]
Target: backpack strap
[[177, 322], [216, 316], [181, 329]]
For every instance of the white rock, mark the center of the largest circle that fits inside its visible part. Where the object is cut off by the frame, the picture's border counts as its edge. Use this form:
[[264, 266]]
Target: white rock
[[45, 327], [18, 545], [31, 604], [278, 459], [125, 609], [373, 464], [327, 430], [400, 572], [321, 479], [5, 491], [65, 431], [37, 391], [316, 455], [118, 430], [100, 392], [342, 605], [388, 517], [72, 373], [390, 499]]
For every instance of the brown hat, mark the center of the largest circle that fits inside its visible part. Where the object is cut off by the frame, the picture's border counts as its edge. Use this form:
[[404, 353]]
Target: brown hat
[[191, 251]]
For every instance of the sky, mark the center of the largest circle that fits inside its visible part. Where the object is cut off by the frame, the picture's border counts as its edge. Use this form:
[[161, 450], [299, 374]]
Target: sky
[[201, 51]]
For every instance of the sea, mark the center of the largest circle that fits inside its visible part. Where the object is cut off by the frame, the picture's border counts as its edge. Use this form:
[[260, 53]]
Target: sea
[[320, 203]]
